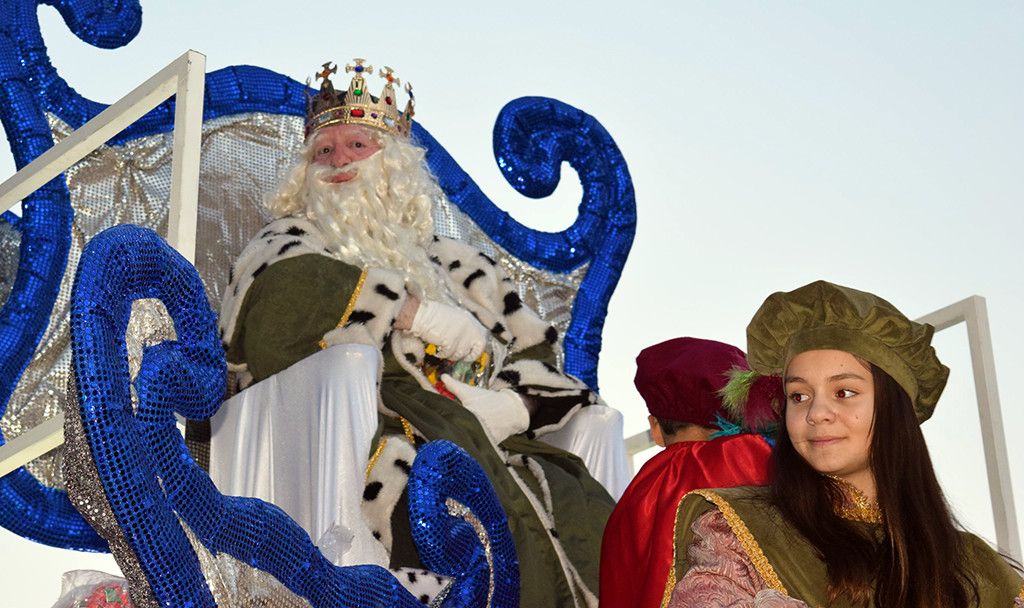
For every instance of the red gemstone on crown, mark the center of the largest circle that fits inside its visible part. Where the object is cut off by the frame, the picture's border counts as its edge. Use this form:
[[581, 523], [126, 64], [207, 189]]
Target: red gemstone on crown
[[387, 100], [357, 113]]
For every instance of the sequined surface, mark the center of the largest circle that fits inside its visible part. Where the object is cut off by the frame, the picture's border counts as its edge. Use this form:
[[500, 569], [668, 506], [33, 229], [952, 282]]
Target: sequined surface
[[457, 509], [86, 493], [235, 584], [251, 128], [10, 241], [460, 529], [138, 455], [148, 324], [27, 507], [167, 524]]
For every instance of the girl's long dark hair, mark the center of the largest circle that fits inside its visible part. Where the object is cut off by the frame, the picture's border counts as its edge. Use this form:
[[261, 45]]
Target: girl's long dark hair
[[920, 560]]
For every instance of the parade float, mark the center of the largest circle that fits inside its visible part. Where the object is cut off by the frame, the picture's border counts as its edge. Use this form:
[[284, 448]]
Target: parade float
[[131, 216]]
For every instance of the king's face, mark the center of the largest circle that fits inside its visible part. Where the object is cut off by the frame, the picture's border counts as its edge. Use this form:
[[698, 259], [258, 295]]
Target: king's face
[[340, 145]]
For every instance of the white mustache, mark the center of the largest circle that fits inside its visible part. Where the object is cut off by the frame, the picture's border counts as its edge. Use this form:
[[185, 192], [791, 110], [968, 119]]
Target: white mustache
[[323, 173]]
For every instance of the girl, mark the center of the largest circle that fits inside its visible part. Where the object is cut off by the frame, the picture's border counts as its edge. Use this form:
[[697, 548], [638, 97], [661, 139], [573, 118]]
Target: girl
[[854, 515]]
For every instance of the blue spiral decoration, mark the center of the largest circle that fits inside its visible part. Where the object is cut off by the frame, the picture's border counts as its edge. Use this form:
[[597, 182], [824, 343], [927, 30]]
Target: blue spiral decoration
[[132, 451], [451, 546], [27, 507], [532, 137]]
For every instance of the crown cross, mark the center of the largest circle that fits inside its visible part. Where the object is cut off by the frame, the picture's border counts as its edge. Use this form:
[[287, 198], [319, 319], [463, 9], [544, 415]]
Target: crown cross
[[389, 74], [325, 74], [410, 106], [359, 67]]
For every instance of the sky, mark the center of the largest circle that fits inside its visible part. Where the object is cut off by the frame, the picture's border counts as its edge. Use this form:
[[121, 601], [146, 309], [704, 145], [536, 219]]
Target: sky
[[872, 144]]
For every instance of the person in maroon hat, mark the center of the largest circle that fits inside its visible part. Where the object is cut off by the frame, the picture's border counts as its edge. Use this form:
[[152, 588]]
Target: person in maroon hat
[[681, 381]]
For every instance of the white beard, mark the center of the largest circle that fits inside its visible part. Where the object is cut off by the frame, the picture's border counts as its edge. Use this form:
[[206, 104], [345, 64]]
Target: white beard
[[366, 224]]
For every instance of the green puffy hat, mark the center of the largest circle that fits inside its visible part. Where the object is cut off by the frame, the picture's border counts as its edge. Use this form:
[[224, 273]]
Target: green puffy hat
[[825, 316]]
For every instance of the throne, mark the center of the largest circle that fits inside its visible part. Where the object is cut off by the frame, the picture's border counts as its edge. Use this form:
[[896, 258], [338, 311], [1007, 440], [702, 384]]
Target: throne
[[156, 329]]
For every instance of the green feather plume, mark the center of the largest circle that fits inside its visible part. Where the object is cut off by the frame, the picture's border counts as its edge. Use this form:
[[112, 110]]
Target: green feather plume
[[759, 412]]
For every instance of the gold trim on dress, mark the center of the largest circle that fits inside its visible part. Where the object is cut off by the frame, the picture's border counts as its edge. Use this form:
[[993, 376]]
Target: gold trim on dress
[[670, 582], [856, 505], [376, 455], [747, 540], [868, 514], [407, 429], [348, 308]]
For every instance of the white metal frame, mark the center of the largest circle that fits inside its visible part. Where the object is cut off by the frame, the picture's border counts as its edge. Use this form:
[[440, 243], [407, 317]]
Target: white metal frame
[[974, 313], [185, 78]]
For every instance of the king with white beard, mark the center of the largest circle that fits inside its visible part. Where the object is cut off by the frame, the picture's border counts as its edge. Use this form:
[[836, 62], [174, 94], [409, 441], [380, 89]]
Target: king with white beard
[[352, 258]]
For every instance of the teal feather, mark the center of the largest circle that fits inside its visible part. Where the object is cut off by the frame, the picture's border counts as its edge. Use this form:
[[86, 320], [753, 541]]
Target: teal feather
[[727, 428]]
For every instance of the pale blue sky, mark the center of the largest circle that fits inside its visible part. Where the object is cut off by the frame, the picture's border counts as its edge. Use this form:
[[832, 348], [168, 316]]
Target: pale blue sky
[[874, 144]]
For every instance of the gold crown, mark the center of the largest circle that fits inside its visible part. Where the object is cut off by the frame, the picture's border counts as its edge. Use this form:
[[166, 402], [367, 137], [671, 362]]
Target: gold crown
[[356, 106]]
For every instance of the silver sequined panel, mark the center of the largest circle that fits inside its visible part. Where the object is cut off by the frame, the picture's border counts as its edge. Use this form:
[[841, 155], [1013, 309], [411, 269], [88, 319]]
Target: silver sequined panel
[[242, 159], [149, 324], [10, 240], [87, 495], [235, 584]]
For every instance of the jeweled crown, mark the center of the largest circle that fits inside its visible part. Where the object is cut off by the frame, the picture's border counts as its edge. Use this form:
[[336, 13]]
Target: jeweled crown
[[356, 106]]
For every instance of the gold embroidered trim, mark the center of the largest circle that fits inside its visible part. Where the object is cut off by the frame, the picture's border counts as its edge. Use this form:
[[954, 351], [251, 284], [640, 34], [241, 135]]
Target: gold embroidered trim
[[747, 540], [857, 506], [407, 429], [376, 455], [348, 308], [670, 582], [867, 515], [1020, 596]]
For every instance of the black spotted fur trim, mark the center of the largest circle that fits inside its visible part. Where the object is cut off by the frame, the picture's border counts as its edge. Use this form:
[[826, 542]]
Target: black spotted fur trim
[[384, 486]]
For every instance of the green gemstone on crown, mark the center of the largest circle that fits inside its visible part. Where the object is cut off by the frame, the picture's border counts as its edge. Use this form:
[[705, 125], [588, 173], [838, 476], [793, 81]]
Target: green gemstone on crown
[[358, 91]]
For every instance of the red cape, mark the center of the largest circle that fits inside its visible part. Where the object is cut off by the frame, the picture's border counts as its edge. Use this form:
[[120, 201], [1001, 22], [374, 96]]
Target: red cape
[[636, 553]]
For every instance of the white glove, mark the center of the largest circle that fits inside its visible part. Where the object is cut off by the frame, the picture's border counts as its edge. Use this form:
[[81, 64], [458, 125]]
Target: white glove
[[456, 332], [501, 413]]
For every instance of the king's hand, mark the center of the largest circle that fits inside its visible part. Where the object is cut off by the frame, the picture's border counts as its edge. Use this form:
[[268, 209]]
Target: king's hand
[[456, 332], [502, 413]]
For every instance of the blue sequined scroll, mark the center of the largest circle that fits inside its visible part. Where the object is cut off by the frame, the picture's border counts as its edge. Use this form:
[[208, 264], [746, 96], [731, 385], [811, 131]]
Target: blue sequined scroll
[[27, 82], [460, 529], [149, 481]]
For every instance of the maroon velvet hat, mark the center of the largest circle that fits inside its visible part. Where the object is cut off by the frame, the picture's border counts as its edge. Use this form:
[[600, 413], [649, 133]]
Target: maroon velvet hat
[[680, 379]]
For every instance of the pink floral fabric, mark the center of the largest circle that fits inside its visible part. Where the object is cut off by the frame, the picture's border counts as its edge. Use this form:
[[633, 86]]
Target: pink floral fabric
[[721, 574]]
